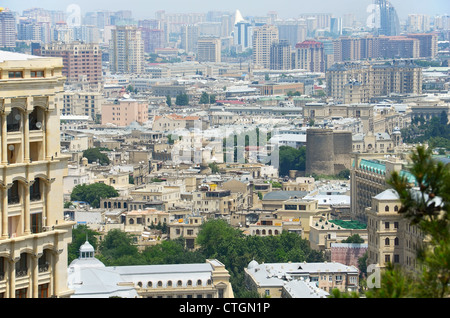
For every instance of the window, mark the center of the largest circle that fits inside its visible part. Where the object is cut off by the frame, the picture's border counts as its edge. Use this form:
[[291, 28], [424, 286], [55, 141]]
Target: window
[[387, 241], [387, 258], [396, 258], [386, 225], [15, 74], [37, 74]]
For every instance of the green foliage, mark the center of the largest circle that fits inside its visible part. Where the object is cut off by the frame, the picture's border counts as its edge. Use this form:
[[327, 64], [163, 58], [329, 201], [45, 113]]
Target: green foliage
[[94, 154], [168, 100], [291, 159], [214, 167], [435, 131], [204, 99], [182, 100], [93, 193], [355, 238], [117, 249]]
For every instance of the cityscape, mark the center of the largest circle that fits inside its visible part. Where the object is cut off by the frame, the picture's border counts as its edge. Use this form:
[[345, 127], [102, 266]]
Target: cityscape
[[225, 151]]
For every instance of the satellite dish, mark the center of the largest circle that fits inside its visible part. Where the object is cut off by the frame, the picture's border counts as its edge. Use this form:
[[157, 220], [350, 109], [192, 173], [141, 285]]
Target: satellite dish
[[11, 147], [39, 125]]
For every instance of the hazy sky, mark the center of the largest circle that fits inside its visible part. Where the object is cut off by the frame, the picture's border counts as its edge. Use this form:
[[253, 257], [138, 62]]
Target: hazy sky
[[285, 8]]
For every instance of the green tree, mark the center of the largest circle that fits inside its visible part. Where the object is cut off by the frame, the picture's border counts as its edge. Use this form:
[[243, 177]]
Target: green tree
[[93, 193], [118, 249], [168, 100], [212, 99], [94, 155], [355, 238], [204, 99], [427, 206], [182, 100], [291, 159]]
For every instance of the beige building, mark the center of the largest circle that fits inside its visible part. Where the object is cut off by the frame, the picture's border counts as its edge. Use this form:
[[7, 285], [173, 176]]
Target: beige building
[[34, 234], [263, 38], [391, 237], [209, 50], [187, 228], [124, 112], [126, 50]]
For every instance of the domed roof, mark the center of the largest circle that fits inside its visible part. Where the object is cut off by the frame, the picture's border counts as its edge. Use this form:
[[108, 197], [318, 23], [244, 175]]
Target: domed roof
[[252, 264], [86, 247]]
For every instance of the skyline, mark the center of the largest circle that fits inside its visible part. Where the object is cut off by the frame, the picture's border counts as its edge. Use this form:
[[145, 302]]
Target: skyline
[[284, 8]]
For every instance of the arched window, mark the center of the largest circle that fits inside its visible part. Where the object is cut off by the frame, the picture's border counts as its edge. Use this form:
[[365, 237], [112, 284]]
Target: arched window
[[387, 241], [139, 284], [179, 283], [396, 208], [189, 282], [396, 242], [199, 282], [149, 284], [169, 283], [160, 283], [13, 120], [386, 208]]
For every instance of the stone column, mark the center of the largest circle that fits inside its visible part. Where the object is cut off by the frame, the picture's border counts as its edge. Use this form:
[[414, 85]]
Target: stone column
[[26, 207], [35, 275], [4, 138], [26, 137], [4, 214]]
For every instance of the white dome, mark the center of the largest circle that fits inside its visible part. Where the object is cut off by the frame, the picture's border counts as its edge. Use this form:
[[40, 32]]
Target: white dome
[[252, 264]]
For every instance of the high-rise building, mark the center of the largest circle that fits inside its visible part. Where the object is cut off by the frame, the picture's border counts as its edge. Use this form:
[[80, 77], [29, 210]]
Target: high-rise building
[[309, 55], [153, 39], [209, 49], [189, 38], [127, 50], [428, 44], [388, 23], [280, 55], [81, 61], [293, 31], [33, 231], [263, 38], [7, 29], [243, 35]]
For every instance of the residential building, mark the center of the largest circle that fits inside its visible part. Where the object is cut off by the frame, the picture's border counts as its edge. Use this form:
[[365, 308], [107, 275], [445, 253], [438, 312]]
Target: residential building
[[123, 112], [8, 35], [209, 49], [82, 62], [391, 236], [126, 50], [263, 38], [312, 280], [34, 233], [280, 55], [309, 56]]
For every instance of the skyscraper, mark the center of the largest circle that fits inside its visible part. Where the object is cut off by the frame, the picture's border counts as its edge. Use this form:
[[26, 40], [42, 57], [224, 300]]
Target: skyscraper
[[127, 50], [309, 55], [263, 38], [388, 20], [280, 55]]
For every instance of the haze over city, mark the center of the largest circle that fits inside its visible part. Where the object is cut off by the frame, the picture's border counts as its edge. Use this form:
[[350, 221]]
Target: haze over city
[[285, 8]]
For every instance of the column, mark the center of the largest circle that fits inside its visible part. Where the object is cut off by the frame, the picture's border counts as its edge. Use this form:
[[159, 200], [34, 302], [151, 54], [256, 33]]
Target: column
[[35, 275], [26, 207], [4, 214], [26, 137], [4, 139]]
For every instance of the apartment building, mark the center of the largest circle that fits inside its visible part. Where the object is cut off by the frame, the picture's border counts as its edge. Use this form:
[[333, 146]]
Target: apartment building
[[368, 178], [391, 237], [280, 55], [82, 103], [34, 233], [399, 77], [81, 61], [8, 35], [209, 49], [263, 38], [125, 111], [126, 50], [309, 55], [300, 280]]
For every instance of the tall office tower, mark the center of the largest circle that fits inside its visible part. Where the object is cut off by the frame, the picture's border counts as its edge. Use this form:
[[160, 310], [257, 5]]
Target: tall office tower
[[294, 31], [309, 55], [189, 38], [81, 61], [280, 55], [126, 50], [243, 32], [209, 49], [388, 20], [263, 38], [7, 29], [33, 231]]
